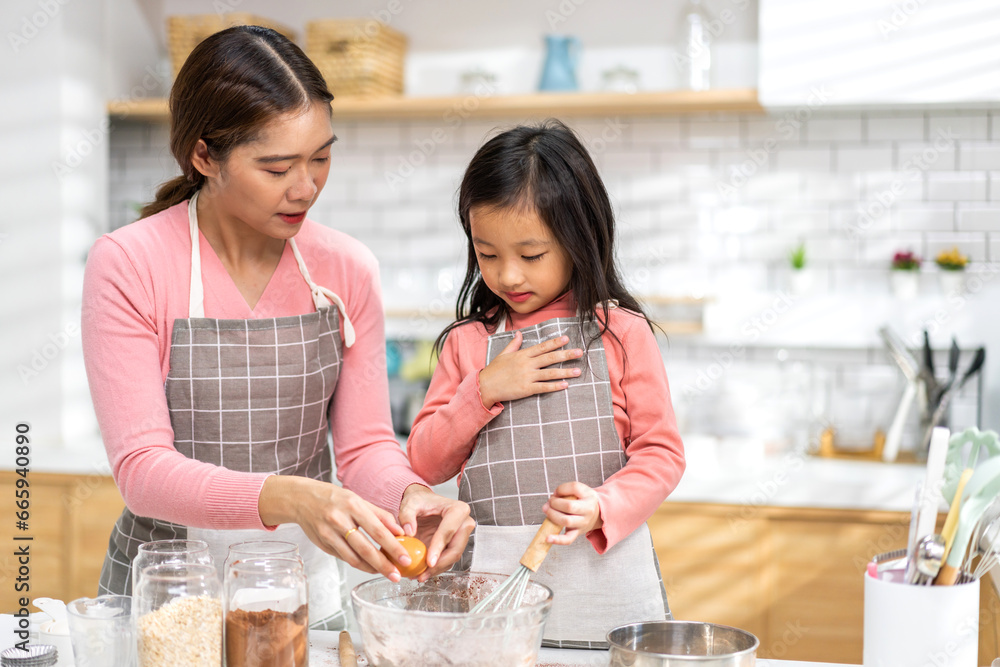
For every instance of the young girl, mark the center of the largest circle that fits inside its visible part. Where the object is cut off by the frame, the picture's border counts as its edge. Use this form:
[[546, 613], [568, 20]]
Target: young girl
[[550, 396]]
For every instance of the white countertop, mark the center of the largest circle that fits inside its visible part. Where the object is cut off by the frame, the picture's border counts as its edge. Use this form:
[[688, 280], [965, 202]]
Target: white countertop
[[323, 653], [739, 473]]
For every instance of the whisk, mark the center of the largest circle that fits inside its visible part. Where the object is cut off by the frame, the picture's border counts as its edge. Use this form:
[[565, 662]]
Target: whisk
[[509, 594]]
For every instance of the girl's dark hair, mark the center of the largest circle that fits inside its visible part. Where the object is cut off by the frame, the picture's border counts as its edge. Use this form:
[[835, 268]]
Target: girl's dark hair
[[545, 168], [231, 85]]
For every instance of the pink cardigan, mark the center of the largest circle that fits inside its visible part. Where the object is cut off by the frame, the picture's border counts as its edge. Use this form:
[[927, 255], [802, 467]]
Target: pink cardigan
[[446, 428], [136, 284]]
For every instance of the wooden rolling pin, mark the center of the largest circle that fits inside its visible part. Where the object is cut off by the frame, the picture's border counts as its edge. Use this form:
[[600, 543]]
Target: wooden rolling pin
[[346, 654]]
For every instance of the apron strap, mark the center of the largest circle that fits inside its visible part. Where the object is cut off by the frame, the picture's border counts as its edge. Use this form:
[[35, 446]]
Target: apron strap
[[196, 301], [322, 296]]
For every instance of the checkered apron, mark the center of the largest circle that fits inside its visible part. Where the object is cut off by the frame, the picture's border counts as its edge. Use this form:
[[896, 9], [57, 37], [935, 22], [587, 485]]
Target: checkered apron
[[252, 396], [534, 445]]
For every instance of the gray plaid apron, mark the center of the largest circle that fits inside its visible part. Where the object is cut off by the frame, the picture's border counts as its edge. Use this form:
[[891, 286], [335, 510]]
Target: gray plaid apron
[[252, 396], [534, 445]]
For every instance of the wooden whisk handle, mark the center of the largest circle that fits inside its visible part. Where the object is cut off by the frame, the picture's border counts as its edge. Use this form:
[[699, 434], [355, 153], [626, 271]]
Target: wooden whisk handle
[[539, 547]]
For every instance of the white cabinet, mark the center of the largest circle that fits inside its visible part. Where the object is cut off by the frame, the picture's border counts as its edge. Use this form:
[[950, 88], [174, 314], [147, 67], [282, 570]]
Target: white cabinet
[[871, 52]]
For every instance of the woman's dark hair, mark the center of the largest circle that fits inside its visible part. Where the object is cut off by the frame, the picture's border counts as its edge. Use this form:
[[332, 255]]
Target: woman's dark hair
[[232, 84], [545, 168]]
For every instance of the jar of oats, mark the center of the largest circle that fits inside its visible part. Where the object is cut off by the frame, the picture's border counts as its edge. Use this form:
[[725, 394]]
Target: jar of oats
[[178, 609]]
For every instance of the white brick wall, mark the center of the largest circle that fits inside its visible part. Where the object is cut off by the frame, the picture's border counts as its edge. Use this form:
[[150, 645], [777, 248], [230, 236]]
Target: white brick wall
[[854, 187], [706, 205]]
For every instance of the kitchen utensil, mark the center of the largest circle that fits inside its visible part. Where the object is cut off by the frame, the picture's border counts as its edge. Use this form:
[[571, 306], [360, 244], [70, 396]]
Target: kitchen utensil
[[942, 406], [912, 539], [980, 492], [508, 596], [990, 551], [345, 650], [953, 356], [102, 631], [981, 445], [408, 624], [562, 54], [928, 353], [914, 388], [927, 560], [951, 521], [894, 436], [681, 643], [930, 493], [55, 631]]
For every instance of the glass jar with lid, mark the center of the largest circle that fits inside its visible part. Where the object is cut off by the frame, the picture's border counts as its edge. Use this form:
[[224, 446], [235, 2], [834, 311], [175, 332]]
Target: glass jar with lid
[[260, 549], [178, 609], [169, 551], [266, 605]]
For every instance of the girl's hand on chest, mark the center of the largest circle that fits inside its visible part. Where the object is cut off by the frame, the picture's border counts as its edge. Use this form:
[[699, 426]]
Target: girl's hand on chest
[[517, 373]]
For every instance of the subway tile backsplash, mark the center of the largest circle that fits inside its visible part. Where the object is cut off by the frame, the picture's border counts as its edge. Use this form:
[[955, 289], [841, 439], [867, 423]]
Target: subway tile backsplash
[[707, 205]]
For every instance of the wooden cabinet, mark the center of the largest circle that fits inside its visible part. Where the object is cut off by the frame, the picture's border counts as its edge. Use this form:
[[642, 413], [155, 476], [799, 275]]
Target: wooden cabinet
[[70, 523], [793, 577]]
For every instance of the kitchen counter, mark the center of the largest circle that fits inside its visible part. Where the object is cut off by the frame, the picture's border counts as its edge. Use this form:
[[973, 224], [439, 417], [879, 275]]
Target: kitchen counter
[[323, 653], [739, 473], [734, 473]]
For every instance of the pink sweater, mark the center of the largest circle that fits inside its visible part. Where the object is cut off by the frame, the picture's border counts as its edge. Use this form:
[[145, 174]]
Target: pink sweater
[[448, 425], [137, 283]]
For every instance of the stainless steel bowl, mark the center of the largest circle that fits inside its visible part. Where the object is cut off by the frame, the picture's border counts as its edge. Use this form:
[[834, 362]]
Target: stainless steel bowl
[[407, 624], [681, 643]]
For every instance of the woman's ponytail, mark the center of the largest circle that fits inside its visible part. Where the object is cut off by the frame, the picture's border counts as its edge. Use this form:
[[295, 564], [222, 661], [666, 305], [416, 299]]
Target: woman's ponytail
[[171, 193]]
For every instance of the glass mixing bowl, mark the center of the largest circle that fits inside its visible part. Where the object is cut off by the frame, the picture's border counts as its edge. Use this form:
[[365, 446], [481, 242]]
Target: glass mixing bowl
[[414, 625]]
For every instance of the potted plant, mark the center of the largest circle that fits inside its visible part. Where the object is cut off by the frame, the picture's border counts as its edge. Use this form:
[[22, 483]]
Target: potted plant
[[952, 264], [905, 274], [801, 277]]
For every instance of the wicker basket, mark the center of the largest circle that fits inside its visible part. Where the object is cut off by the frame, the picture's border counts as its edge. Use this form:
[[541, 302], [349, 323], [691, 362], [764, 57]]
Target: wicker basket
[[358, 57], [186, 32]]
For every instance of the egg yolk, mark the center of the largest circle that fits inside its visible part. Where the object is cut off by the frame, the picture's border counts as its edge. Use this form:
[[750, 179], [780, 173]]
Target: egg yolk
[[418, 557]]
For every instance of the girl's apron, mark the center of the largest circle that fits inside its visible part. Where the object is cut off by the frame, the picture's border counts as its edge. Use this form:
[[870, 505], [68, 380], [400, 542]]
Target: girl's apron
[[251, 396], [534, 445]]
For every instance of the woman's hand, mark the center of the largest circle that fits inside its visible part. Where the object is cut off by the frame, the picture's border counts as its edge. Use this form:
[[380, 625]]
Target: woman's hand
[[573, 506], [517, 373], [338, 521], [441, 523]]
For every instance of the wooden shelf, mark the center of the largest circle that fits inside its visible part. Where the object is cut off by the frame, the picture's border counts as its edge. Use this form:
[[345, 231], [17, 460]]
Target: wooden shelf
[[677, 102]]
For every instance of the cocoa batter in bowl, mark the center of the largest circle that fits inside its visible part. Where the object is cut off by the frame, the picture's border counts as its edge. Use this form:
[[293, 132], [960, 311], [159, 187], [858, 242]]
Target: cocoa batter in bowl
[[408, 624]]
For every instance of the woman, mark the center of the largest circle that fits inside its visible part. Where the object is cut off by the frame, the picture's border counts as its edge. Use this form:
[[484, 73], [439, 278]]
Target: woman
[[225, 335]]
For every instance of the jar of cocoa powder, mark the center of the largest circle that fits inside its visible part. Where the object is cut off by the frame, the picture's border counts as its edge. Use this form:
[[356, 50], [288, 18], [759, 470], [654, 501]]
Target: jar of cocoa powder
[[266, 609]]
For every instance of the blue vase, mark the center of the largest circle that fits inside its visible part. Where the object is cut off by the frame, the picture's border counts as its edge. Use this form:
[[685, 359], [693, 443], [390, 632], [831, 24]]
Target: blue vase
[[562, 54]]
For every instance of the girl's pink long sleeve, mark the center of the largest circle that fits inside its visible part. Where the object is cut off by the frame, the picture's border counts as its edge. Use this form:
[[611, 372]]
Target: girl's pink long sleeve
[[446, 428]]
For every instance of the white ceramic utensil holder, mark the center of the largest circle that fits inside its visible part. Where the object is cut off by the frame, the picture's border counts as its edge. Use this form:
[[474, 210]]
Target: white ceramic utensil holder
[[911, 626]]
